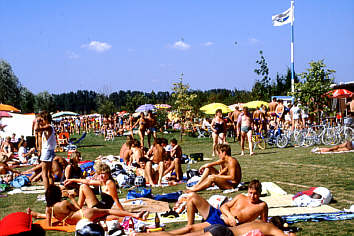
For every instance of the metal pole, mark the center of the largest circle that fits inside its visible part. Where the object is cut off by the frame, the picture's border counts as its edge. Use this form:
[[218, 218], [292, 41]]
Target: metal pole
[[292, 48]]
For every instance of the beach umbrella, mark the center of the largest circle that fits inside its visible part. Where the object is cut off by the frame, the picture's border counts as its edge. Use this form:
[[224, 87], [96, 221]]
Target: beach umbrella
[[122, 113], [4, 114], [339, 93], [64, 113], [162, 106], [212, 107], [255, 104], [145, 107], [233, 106], [5, 107]]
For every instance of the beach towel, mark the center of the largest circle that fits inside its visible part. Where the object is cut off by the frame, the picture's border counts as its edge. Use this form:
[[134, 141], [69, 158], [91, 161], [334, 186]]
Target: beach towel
[[144, 204], [318, 152], [56, 226], [316, 217]]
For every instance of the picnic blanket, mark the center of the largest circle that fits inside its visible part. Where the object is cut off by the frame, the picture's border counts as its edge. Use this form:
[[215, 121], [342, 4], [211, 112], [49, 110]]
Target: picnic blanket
[[282, 205]]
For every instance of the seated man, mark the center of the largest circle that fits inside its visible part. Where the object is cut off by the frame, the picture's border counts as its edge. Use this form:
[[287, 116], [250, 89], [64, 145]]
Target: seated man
[[176, 155], [347, 146], [156, 155], [229, 175], [126, 146], [136, 152], [151, 176], [239, 210]]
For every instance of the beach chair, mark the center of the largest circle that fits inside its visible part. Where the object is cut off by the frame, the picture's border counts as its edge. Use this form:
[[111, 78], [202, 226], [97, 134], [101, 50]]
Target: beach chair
[[201, 133], [63, 139]]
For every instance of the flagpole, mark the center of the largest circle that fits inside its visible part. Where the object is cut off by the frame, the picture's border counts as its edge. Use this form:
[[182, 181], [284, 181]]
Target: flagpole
[[292, 48]]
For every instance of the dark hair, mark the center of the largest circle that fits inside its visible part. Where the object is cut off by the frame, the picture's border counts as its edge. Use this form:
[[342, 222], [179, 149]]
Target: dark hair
[[277, 221], [174, 141], [143, 159], [224, 148], [255, 184], [136, 143], [218, 110], [158, 141], [164, 141], [46, 116], [52, 195]]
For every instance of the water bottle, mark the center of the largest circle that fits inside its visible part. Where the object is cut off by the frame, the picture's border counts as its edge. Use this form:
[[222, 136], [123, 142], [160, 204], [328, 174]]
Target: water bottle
[[188, 170]]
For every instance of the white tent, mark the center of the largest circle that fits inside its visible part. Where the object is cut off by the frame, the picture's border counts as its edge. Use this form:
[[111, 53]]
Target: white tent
[[19, 124]]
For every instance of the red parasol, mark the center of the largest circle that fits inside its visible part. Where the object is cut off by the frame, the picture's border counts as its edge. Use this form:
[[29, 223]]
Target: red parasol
[[339, 93]]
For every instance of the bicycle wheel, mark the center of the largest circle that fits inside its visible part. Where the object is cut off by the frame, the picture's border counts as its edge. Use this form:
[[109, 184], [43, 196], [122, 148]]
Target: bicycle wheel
[[329, 137], [348, 134], [282, 141]]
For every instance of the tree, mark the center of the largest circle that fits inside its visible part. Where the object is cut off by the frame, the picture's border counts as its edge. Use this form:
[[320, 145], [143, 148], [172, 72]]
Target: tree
[[27, 100], [10, 87], [262, 88], [183, 99], [311, 91], [44, 101]]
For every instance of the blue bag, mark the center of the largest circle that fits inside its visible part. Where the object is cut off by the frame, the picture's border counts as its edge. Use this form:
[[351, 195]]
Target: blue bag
[[168, 197], [20, 181], [142, 192]]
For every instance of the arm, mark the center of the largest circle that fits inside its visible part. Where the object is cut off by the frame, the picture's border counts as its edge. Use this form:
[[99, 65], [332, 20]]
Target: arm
[[48, 215], [82, 181], [212, 126], [74, 206], [136, 123], [264, 213], [225, 210], [218, 162]]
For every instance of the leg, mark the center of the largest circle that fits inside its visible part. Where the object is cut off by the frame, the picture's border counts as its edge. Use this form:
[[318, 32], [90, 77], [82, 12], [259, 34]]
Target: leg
[[202, 185], [46, 173], [196, 203], [161, 170], [215, 142], [149, 173], [178, 168], [95, 213], [86, 195], [243, 137], [206, 173], [249, 136]]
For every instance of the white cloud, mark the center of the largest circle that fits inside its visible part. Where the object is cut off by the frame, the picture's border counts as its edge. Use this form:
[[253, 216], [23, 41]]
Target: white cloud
[[181, 45], [97, 46], [208, 44], [253, 41], [72, 55]]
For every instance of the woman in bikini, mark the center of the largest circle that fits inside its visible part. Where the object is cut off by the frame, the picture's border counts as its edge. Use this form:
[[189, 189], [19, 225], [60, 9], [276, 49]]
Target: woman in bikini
[[143, 125], [219, 128], [107, 189], [70, 212]]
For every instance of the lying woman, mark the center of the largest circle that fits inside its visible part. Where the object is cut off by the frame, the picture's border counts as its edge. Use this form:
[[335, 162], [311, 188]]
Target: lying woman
[[107, 189], [347, 146], [70, 212]]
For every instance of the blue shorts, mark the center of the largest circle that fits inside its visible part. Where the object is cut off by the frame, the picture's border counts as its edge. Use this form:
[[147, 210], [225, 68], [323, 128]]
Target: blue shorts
[[152, 129], [48, 156], [214, 217]]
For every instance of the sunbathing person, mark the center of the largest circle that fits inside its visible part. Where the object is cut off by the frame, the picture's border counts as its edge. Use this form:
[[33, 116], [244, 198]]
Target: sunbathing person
[[72, 171], [229, 175], [107, 187], [70, 212], [23, 154], [239, 210], [151, 176], [256, 228], [176, 155], [347, 146]]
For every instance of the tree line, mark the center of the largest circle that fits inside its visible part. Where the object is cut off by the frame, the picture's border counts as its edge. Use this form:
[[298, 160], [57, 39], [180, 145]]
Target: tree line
[[12, 92]]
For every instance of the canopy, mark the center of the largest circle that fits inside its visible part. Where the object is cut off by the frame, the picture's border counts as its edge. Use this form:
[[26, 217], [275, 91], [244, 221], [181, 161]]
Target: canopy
[[5, 107], [162, 106], [64, 113], [339, 93], [145, 107], [4, 114], [255, 104], [212, 107]]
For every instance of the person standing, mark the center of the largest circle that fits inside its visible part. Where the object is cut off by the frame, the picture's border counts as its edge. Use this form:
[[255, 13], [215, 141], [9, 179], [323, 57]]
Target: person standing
[[244, 125], [48, 145], [218, 127]]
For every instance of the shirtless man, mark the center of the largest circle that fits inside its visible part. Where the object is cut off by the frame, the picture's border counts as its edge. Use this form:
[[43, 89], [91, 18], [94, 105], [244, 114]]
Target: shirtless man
[[347, 146], [156, 155], [234, 117], [239, 210], [244, 125], [229, 175], [151, 176], [125, 147], [258, 118], [280, 111], [151, 127], [272, 106]]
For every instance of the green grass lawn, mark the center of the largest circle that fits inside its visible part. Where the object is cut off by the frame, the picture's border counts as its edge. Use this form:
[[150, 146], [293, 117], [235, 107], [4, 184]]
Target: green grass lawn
[[293, 169]]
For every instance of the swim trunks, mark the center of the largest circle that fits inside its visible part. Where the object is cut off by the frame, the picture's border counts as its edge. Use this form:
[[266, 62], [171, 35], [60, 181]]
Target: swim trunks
[[218, 230], [214, 217], [246, 128], [48, 156]]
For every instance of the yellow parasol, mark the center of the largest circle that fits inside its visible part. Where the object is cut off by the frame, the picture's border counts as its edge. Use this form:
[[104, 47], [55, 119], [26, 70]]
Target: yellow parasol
[[212, 107], [255, 104]]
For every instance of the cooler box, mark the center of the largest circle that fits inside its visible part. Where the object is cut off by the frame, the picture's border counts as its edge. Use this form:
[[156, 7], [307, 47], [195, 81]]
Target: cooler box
[[196, 156]]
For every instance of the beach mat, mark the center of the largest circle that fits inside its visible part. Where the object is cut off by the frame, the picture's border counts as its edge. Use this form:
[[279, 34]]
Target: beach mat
[[317, 217], [288, 211], [145, 204]]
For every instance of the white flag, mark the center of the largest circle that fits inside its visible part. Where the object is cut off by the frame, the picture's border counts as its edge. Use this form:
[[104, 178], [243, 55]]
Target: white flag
[[283, 18]]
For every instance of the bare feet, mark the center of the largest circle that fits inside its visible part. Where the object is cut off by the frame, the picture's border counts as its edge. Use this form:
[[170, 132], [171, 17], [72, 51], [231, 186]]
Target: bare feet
[[252, 153], [242, 153]]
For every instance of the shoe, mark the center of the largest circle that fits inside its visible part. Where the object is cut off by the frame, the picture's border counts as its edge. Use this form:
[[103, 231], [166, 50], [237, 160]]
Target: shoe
[[170, 214]]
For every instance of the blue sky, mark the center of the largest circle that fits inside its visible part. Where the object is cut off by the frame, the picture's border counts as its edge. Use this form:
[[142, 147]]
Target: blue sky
[[62, 46]]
